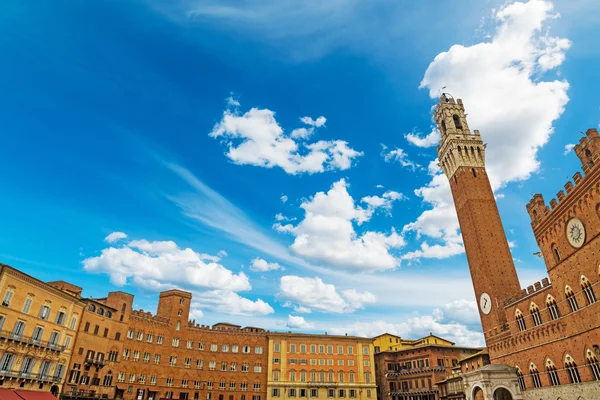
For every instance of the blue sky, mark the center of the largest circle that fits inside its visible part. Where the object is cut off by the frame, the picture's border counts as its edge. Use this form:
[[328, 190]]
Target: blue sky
[[184, 124]]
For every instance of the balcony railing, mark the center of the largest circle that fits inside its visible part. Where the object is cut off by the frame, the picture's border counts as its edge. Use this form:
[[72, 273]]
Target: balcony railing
[[75, 393], [7, 335], [95, 361], [29, 376], [406, 371]]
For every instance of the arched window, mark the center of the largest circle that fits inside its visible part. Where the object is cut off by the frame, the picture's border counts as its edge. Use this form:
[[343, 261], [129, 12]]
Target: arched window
[[123, 307], [588, 290], [556, 253], [520, 320], [521, 379], [178, 326], [592, 361], [92, 308], [108, 314], [552, 307], [179, 313], [552, 373], [571, 298], [535, 314], [457, 123], [101, 311], [571, 367], [535, 376]]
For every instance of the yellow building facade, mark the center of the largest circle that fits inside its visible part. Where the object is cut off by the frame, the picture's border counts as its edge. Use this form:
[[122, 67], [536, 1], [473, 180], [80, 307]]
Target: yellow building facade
[[389, 342], [38, 325], [320, 366]]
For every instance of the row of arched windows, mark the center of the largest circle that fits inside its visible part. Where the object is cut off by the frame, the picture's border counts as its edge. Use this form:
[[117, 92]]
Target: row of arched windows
[[570, 366], [586, 288], [100, 311]]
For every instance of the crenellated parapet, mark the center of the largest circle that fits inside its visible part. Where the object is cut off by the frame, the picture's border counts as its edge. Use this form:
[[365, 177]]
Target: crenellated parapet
[[526, 293], [588, 148]]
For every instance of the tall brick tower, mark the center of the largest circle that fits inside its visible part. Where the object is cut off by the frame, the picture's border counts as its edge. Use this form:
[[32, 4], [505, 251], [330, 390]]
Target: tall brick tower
[[462, 157]]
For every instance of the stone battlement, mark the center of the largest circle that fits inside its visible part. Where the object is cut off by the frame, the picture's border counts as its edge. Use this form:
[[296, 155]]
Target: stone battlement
[[531, 289], [588, 151]]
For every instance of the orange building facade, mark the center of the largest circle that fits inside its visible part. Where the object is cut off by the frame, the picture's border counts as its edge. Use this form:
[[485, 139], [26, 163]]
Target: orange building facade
[[549, 332]]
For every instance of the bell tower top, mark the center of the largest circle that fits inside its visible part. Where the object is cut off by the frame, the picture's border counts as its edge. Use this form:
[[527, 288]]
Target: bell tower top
[[458, 147]]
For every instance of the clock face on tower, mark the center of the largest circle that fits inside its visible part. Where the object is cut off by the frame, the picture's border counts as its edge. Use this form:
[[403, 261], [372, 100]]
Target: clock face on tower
[[485, 303], [575, 232]]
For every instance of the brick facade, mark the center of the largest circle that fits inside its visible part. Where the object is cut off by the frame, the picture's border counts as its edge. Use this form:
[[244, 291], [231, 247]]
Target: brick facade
[[550, 331], [413, 374]]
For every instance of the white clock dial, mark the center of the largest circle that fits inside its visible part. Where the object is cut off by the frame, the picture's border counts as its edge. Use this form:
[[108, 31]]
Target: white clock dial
[[485, 303], [575, 232]]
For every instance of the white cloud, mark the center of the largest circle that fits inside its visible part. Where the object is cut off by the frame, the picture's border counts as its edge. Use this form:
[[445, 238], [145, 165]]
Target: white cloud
[[115, 237], [397, 155], [319, 122], [196, 313], [384, 202], [222, 253], [568, 148], [380, 186], [506, 98], [260, 265], [430, 140], [327, 234], [460, 311], [162, 264], [256, 138], [457, 321], [298, 322], [232, 102], [302, 309], [229, 302], [284, 198], [313, 293]]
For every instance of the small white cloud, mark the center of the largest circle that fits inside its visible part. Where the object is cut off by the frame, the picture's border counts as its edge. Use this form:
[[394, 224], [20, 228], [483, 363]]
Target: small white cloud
[[260, 265], [229, 302], [115, 237], [196, 313], [233, 102], [512, 244], [314, 294], [430, 140], [568, 148], [398, 156], [302, 310], [283, 198], [222, 253], [379, 186], [256, 138], [298, 322], [319, 122]]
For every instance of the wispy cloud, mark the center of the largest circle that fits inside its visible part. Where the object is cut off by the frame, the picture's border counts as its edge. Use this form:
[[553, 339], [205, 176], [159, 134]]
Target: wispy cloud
[[210, 208]]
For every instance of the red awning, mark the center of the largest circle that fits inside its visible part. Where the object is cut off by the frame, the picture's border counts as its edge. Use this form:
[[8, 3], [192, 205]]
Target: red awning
[[29, 395], [8, 394]]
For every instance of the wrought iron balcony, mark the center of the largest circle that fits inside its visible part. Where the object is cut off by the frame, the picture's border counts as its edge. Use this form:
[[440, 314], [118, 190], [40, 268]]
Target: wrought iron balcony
[[16, 374], [28, 340], [95, 361]]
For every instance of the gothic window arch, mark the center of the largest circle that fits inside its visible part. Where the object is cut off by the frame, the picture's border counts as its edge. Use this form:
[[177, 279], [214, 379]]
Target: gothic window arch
[[552, 373], [535, 314], [571, 367], [457, 123], [570, 295], [521, 378], [594, 364], [520, 320], [535, 376], [588, 290], [552, 307]]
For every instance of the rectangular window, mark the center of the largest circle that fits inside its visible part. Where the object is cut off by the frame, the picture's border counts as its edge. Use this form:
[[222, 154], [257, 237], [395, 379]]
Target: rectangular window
[[7, 298], [369, 393], [292, 392], [157, 359], [275, 392], [352, 393], [130, 334], [26, 306], [257, 387], [350, 350], [54, 338], [314, 392], [234, 348], [292, 348], [330, 392], [313, 348], [140, 336], [258, 350], [153, 380], [303, 348], [44, 312], [258, 368], [160, 339], [276, 361], [366, 363], [73, 323], [366, 350], [67, 342], [175, 342], [342, 393], [136, 355]]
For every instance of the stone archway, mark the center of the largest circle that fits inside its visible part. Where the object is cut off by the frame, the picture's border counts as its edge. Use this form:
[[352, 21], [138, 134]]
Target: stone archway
[[478, 394], [54, 390], [502, 394]]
